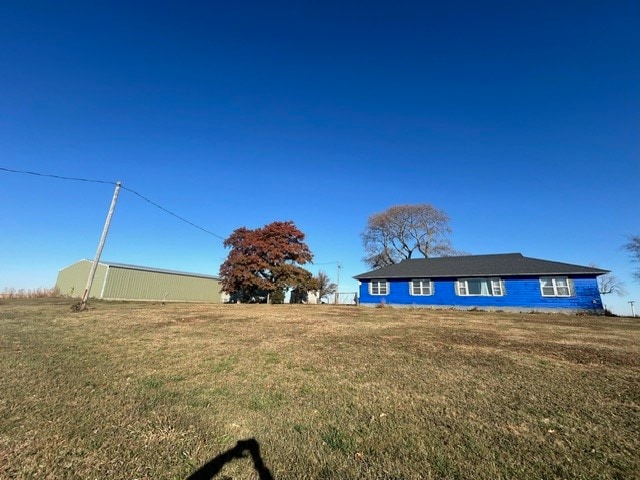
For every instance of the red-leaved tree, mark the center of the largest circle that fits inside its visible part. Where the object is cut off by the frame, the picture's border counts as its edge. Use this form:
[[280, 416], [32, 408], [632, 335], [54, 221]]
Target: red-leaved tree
[[265, 261]]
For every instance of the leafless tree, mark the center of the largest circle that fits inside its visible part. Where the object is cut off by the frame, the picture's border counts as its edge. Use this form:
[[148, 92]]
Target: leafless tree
[[403, 231], [609, 284], [324, 285], [633, 247]]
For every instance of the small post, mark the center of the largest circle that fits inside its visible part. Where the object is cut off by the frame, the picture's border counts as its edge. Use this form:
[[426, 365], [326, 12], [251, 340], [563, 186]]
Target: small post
[[103, 238], [338, 284]]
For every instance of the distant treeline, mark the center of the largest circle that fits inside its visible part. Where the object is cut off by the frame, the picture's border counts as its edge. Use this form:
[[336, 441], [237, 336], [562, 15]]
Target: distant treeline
[[30, 293]]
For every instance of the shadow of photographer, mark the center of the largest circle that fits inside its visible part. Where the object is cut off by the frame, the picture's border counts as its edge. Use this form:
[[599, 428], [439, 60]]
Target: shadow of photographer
[[242, 449]]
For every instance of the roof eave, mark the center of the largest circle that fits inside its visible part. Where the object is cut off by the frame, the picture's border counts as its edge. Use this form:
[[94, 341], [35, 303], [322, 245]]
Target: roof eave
[[526, 274]]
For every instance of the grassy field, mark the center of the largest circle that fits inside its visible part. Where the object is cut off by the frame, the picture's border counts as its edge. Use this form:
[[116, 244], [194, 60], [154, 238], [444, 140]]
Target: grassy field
[[142, 391]]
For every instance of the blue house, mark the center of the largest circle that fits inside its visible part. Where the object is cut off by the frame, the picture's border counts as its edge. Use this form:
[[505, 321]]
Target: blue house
[[508, 281]]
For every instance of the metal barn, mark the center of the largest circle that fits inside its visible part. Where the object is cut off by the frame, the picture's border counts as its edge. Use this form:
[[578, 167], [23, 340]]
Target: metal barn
[[119, 281]]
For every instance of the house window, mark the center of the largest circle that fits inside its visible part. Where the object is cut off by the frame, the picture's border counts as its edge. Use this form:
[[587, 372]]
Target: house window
[[378, 287], [555, 287], [421, 286], [486, 287]]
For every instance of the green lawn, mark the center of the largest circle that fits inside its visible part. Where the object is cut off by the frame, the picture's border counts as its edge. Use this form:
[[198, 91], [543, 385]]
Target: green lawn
[[148, 391]]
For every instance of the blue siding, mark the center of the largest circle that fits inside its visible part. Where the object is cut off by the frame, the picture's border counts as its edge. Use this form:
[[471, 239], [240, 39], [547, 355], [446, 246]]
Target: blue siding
[[519, 292]]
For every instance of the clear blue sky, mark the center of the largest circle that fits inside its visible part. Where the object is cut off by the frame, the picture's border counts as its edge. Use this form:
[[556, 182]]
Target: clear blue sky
[[520, 119]]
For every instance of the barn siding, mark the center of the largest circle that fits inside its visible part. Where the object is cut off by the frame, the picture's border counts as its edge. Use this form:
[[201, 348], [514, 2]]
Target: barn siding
[[520, 292], [72, 280], [126, 283], [113, 282]]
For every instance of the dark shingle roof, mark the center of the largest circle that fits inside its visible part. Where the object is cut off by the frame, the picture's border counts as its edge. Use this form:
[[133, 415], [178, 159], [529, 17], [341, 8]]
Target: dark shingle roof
[[502, 264]]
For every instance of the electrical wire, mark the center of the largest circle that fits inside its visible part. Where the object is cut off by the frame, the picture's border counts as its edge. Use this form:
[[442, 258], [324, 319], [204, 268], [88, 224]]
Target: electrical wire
[[171, 213], [79, 179]]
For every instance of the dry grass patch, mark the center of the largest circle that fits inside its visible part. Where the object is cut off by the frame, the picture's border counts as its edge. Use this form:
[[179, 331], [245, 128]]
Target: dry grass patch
[[155, 391]]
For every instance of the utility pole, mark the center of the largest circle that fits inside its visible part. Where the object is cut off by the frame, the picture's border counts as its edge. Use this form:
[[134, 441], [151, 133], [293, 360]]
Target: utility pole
[[103, 238], [633, 311], [338, 284]]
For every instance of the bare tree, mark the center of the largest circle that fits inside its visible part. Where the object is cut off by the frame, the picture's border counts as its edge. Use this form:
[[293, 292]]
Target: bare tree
[[324, 285], [609, 284], [633, 247], [403, 231]]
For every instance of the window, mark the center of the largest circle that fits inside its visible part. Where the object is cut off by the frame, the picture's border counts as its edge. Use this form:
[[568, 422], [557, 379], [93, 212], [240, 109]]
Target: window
[[555, 287], [378, 287], [486, 287], [421, 286]]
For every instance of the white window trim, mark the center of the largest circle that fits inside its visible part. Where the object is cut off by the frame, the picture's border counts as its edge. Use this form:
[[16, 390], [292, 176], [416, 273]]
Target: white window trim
[[553, 278], [379, 280], [462, 286], [421, 280]]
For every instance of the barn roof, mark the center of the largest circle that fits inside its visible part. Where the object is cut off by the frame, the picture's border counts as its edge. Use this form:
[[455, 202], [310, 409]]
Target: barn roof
[[153, 269], [501, 264]]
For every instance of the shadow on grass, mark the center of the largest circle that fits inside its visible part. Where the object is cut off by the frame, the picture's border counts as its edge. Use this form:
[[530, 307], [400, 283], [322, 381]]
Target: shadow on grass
[[242, 448]]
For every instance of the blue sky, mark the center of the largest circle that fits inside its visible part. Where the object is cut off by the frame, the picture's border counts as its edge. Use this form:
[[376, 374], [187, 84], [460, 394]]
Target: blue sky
[[519, 119]]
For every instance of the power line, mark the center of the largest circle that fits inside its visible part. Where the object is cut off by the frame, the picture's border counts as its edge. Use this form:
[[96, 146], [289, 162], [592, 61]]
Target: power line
[[79, 179], [171, 213]]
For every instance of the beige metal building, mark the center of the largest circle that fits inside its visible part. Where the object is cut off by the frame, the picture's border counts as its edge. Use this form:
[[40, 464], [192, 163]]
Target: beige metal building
[[119, 281]]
